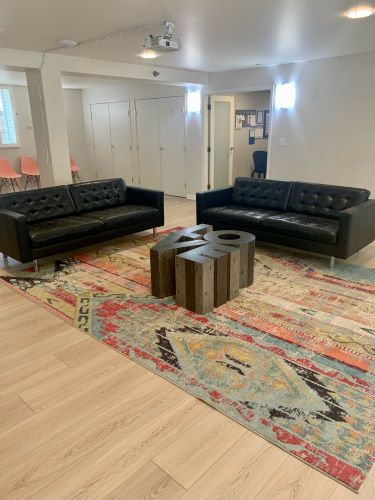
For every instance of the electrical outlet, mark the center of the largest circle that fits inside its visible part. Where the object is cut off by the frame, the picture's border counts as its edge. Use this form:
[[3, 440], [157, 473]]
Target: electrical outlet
[[282, 141]]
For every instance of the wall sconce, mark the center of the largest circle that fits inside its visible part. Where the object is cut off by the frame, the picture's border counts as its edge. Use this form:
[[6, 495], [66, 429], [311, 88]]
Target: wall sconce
[[194, 102], [285, 96]]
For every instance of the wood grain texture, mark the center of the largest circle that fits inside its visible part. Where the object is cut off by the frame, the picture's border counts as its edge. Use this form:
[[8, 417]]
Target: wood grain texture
[[83, 421], [148, 482]]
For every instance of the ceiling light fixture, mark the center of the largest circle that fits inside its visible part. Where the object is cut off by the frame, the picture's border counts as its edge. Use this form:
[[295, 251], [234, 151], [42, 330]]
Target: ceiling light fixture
[[149, 54], [359, 12]]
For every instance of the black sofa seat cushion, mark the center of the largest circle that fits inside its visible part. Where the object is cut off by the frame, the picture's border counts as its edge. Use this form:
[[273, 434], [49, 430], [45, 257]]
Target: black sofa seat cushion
[[98, 195], [54, 231], [303, 226], [236, 215], [261, 193], [126, 215], [324, 200]]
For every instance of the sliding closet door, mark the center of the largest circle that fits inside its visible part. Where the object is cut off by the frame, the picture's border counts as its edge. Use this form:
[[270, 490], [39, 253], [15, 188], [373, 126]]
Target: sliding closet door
[[147, 111], [119, 118], [101, 132], [172, 145]]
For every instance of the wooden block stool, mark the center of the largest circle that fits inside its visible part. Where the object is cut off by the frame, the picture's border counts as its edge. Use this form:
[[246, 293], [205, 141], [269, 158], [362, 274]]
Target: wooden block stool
[[245, 242], [162, 257], [207, 277]]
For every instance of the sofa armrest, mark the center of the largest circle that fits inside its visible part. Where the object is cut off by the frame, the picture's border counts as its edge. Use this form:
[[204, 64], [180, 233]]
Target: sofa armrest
[[14, 236], [148, 197], [213, 198], [356, 229]]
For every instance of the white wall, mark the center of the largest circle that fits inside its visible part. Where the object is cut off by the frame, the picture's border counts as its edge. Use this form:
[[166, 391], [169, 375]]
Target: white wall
[[243, 163], [75, 125], [331, 131], [76, 130], [135, 89]]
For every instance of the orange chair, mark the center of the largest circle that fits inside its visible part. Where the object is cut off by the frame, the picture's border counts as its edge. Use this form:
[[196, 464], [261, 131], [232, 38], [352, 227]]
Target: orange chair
[[8, 175], [30, 168], [75, 169]]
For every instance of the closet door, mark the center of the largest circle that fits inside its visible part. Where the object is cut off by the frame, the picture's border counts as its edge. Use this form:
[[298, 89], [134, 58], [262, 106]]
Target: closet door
[[172, 145], [119, 118], [101, 133], [147, 113]]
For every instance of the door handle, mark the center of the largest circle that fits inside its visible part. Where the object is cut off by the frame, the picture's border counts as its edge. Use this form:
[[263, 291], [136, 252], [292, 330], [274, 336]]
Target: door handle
[[113, 147], [161, 149]]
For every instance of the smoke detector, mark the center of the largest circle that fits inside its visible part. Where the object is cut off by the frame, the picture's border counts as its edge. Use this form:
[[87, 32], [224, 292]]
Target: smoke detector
[[67, 43], [164, 43]]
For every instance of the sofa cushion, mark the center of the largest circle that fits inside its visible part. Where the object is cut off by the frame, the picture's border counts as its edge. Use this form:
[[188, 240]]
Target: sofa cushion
[[263, 193], [236, 215], [40, 204], [126, 215], [66, 228], [303, 226], [324, 200], [97, 195]]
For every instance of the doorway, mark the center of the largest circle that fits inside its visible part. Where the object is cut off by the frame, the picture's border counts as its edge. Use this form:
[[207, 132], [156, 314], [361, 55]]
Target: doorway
[[238, 126], [161, 144], [111, 133]]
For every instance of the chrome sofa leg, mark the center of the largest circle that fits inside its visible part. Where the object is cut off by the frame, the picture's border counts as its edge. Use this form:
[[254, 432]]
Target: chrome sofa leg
[[35, 264], [154, 231], [332, 262]]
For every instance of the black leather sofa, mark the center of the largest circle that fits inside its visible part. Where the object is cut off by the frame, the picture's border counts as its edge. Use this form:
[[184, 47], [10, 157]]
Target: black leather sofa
[[331, 220], [43, 222]]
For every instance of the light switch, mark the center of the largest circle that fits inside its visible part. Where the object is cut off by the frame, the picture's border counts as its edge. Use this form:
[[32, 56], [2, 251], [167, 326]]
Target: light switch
[[282, 141]]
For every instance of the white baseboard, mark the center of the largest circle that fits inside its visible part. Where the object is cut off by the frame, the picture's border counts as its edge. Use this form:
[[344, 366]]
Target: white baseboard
[[190, 197]]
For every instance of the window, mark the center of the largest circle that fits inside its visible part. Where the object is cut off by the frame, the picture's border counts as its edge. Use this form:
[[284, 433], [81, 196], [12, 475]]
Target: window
[[8, 134]]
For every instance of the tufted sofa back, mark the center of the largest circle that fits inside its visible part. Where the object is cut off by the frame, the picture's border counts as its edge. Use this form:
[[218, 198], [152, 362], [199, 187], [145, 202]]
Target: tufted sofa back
[[98, 195], [263, 193], [40, 204], [323, 199]]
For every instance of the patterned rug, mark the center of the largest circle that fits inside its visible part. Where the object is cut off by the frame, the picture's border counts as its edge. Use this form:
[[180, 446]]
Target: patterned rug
[[292, 358]]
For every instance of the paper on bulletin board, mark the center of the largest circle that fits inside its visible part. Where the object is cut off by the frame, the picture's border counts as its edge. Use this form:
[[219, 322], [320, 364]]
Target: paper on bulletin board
[[252, 120], [259, 132], [259, 117]]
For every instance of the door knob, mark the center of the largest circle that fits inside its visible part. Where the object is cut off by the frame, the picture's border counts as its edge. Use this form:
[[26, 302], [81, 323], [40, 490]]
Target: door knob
[[113, 147], [161, 149]]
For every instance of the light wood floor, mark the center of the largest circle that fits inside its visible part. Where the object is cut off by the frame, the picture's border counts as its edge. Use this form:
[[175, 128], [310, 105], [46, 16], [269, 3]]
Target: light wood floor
[[79, 420]]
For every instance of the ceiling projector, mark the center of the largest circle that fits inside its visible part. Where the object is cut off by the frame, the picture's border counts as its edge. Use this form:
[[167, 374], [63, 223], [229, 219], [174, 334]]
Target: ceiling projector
[[164, 43]]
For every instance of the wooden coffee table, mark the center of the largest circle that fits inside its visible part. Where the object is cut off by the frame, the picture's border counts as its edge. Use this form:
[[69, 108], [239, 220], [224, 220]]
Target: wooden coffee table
[[204, 268]]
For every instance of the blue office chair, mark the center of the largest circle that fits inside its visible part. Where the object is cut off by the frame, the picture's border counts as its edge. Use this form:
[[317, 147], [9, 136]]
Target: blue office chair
[[260, 163]]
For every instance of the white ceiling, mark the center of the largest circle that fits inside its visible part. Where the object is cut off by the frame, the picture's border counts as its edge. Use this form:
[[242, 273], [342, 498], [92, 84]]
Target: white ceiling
[[217, 35]]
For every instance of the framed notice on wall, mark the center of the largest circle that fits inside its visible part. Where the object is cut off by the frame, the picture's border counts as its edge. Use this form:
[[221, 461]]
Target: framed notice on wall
[[245, 118]]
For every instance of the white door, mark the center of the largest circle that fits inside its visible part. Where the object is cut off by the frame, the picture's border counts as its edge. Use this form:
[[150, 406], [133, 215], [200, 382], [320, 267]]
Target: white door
[[147, 112], [172, 145], [101, 132], [221, 141], [119, 117]]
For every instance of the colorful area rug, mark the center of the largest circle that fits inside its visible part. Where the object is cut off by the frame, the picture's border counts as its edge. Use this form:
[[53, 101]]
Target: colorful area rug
[[292, 358]]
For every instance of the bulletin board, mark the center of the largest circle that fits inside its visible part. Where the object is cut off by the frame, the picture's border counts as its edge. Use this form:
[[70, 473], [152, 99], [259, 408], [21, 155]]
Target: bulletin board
[[257, 121]]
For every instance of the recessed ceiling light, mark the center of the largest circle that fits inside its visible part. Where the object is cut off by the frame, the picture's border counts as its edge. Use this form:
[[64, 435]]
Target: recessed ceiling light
[[149, 54], [359, 12]]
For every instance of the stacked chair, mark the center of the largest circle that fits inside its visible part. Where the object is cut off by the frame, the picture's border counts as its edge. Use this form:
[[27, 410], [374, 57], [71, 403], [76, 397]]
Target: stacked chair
[[8, 176], [29, 168]]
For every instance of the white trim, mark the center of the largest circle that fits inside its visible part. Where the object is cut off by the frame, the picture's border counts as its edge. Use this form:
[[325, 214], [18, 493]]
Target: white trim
[[191, 197]]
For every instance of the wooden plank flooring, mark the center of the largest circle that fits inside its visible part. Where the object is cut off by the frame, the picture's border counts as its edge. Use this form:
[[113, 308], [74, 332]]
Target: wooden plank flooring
[[79, 420]]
